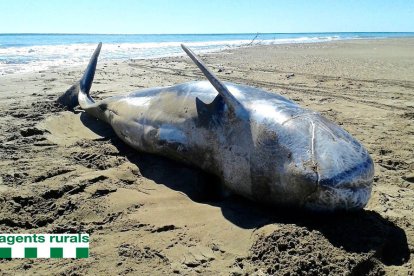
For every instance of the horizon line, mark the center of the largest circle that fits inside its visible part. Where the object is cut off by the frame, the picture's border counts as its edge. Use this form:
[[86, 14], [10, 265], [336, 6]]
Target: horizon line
[[241, 33]]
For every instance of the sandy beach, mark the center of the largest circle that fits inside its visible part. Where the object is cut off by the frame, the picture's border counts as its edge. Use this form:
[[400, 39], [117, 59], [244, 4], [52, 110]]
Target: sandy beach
[[64, 171]]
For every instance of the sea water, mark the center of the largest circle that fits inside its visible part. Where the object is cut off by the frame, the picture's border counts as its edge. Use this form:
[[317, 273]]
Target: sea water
[[20, 53]]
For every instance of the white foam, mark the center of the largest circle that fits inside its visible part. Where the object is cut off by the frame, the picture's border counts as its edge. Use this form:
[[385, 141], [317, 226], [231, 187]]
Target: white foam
[[45, 57]]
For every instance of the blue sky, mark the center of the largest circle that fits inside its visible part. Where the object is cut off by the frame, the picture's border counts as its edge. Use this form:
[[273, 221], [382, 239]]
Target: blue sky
[[206, 16]]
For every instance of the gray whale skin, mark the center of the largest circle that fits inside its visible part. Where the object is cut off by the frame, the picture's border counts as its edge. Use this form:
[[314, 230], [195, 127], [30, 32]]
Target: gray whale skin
[[261, 145]]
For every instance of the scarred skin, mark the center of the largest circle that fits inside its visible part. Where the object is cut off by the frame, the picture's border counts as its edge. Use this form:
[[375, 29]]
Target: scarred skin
[[261, 145]]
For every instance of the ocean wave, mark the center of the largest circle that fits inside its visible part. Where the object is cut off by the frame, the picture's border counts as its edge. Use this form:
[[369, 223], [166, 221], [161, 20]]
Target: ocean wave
[[22, 59]]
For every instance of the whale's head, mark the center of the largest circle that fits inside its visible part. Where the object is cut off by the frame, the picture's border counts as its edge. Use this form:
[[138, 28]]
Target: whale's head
[[343, 167], [310, 162]]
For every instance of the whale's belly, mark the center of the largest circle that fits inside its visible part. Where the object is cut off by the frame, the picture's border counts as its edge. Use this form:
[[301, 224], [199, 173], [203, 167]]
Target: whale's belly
[[165, 122]]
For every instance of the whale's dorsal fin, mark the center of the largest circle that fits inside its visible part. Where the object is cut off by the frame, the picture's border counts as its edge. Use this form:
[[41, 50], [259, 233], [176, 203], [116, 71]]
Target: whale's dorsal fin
[[232, 103], [210, 113]]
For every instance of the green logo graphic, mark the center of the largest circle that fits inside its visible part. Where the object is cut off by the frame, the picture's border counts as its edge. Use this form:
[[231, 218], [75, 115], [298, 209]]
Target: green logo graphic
[[44, 246]]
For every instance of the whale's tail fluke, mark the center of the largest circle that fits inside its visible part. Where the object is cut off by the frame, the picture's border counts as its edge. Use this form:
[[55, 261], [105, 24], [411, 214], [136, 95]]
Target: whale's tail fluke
[[78, 94]]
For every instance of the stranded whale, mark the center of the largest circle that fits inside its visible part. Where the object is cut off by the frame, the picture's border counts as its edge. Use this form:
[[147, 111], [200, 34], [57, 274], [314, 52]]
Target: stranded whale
[[261, 145]]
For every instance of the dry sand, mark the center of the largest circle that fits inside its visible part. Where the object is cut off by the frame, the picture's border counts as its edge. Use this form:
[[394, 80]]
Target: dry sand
[[66, 172]]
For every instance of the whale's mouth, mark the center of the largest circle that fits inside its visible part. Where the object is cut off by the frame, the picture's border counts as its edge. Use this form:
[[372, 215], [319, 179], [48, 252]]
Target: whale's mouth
[[328, 198], [350, 189]]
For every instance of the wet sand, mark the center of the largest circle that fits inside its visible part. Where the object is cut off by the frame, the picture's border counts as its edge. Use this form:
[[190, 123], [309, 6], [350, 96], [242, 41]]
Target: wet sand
[[66, 172]]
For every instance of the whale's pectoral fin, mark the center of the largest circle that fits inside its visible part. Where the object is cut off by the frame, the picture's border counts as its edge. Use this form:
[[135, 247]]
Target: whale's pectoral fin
[[79, 92], [210, 113], [233, 104]]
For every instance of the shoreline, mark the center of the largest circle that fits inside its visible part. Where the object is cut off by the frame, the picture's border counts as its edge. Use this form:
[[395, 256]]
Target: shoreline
[[64, 171], [47, 65]]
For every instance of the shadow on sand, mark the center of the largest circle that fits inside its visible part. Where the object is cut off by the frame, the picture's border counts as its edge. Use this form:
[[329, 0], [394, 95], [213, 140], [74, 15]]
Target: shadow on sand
[[358, 232]]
